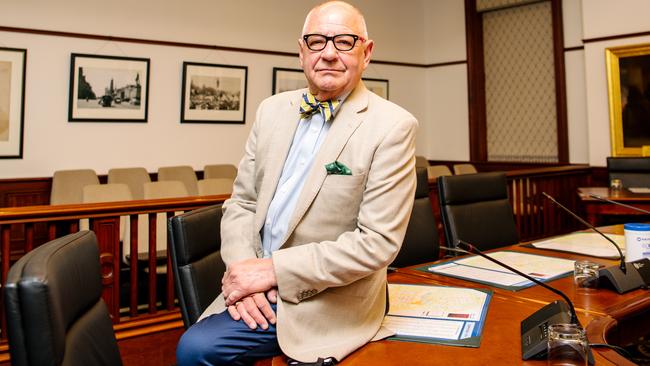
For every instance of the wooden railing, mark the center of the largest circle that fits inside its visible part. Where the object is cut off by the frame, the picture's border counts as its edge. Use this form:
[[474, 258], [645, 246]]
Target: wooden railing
[[535, 216], [133, 302]]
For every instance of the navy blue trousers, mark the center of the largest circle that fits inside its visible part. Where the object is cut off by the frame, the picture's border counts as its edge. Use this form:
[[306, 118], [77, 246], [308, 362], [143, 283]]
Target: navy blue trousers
[[220, 340]]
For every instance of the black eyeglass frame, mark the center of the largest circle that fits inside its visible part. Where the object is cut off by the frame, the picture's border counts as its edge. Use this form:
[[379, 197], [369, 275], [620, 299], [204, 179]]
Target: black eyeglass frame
[[332, 38]]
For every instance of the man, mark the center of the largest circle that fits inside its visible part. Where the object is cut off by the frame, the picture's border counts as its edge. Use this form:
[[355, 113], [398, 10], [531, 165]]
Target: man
[[319, 209]]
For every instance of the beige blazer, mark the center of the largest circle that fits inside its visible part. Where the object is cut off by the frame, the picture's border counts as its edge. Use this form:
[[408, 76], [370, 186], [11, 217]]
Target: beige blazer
[[331, 268]]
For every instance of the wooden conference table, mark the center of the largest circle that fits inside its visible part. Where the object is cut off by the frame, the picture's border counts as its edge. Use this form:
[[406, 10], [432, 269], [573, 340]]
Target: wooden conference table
[[595, 208], [606, 315]]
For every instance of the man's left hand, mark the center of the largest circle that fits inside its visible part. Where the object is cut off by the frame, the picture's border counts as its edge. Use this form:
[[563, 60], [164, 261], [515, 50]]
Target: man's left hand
[[247, 277]]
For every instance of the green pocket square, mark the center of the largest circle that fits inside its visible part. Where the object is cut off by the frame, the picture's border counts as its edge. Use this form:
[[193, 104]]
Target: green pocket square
[[337, 168]]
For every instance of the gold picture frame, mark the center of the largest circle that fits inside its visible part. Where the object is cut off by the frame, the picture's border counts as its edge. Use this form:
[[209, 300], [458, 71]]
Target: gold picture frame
[[628, 76]]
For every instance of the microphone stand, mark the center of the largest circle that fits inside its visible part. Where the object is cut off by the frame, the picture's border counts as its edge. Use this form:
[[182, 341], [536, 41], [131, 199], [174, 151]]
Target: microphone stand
[[592, 227], [534, 329], [572, 311], [623, 279]]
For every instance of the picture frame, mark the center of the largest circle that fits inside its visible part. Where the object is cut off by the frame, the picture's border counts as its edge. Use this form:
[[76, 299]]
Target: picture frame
[[213, 93], [12, 102], [108, 88], [377, 86], [287, 79], [628, 76]]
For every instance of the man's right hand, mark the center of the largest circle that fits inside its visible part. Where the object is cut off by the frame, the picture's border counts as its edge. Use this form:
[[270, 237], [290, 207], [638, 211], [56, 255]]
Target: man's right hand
[[255, 310]]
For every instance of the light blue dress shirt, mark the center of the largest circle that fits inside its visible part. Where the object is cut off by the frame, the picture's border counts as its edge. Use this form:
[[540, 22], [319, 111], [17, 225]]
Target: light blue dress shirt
[[309, 136]]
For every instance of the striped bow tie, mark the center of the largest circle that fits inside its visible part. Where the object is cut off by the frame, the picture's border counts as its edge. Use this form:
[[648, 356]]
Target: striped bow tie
[[309, 105]]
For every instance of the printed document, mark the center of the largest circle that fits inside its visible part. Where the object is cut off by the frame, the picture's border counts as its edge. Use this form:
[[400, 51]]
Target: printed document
[[437, 314], [479, 269]]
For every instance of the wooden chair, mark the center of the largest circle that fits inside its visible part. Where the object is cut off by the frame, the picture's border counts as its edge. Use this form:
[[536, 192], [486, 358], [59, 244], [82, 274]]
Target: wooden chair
[[184, 173], [464, 169]]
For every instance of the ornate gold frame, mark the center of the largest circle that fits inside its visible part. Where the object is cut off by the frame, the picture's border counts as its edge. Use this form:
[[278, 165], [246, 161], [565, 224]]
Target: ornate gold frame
[[613, 56]]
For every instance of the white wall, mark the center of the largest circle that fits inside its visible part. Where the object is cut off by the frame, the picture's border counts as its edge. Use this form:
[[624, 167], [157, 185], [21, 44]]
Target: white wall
[[444, 134], [602, 18], [574, 65], [52, 143]]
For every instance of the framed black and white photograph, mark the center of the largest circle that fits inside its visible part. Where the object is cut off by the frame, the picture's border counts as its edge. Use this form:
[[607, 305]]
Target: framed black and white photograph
[[288, 79], [213, 93], [108, 89], [377, 86], [12, 102]]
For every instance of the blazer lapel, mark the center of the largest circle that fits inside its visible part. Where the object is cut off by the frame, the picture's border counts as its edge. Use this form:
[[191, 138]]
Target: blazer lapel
[[276, 154], [343, 126]]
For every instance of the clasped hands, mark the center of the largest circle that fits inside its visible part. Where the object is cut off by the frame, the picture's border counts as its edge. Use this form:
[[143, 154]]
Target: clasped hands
[[249, 288]]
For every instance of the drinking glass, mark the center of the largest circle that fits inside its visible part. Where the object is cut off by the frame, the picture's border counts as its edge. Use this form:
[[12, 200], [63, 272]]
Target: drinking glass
[[567, 345], [585, 274]]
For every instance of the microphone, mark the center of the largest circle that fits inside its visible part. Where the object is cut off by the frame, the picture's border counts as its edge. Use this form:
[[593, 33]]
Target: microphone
[[534, 329], [619, 203], [642, 265], [623, 279], [592, 227]]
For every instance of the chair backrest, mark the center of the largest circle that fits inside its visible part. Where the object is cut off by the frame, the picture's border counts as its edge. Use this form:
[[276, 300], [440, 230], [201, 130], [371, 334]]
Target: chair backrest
[[476, 209], [195, 242], [111, 192], [183, 174], [435, 171], [167, 189], [632, 171], [156, 190], [464, 169], [421, 162], [215, 186], [220, 171], [135, 178], [55, 313], [420, 243], [67, 185]]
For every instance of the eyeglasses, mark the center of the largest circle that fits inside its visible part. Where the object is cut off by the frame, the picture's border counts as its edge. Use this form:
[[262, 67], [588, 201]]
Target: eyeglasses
[[342, 42]]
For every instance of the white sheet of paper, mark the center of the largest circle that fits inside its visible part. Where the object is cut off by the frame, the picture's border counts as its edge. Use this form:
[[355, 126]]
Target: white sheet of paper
[[418, 327], [538, 266], [481, 274], [585, 243]]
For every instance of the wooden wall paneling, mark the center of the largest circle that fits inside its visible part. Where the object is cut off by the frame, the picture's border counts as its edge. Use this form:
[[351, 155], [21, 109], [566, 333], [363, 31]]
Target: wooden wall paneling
[[475, 82], [560, 83]]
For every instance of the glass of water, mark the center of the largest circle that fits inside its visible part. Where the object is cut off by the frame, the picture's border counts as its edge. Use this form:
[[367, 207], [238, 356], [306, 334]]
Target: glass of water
[[585, 274], [567, 345]]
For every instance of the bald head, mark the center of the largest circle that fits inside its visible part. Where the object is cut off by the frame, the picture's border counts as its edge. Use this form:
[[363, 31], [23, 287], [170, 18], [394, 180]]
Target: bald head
[[334, 62], [339, 12]]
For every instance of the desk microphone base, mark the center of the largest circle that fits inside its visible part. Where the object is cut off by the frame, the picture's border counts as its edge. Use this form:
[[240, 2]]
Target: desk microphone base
[[534, 330], [636, 276]]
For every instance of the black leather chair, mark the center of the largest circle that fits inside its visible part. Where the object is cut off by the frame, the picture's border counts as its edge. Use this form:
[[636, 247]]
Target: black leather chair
[[475, 208], [633, 172], [421, 241], [55, 313], [195, 243]]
